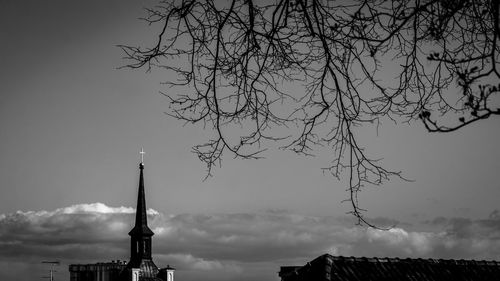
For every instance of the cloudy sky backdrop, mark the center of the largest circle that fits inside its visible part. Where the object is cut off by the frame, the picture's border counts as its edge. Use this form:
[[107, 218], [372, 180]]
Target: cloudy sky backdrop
[[71, 126]]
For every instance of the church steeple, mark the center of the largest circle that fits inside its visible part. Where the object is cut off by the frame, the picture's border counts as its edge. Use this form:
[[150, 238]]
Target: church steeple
[[141, 219], [141, 266], [141, 234]]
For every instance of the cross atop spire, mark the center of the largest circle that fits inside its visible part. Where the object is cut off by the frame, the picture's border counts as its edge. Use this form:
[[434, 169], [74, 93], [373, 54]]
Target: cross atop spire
[[142, 155]]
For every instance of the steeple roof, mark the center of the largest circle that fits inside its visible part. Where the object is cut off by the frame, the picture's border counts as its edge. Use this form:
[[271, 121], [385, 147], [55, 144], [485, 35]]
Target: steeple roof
[[141, 220]]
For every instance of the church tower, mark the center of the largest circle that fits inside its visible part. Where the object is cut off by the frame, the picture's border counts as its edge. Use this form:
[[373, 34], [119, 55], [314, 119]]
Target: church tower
[[141, 265], [141, 234]]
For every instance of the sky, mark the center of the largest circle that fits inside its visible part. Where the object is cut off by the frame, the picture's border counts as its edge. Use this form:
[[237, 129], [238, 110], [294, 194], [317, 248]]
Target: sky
[[72, 125]]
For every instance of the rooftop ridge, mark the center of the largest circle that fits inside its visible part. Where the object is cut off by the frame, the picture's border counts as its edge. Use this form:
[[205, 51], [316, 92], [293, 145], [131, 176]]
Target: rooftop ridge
[[398, 259]]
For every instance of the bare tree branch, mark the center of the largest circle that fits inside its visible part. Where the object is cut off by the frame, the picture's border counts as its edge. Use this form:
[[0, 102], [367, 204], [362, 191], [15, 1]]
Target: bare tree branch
[[314, 69]]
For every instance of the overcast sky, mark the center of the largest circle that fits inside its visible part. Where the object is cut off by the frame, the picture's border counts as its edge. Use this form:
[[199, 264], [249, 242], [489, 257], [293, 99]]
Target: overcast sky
[[72, 124]]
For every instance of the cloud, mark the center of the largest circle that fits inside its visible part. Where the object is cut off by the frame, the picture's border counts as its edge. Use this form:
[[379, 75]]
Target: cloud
[[229, 246], [188, 261]]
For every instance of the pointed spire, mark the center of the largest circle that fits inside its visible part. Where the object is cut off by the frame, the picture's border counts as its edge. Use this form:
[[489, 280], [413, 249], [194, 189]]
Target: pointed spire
[[141, 220]]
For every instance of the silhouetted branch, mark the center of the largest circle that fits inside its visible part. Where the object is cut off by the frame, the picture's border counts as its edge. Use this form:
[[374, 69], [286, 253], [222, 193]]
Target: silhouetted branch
[[305, 73]]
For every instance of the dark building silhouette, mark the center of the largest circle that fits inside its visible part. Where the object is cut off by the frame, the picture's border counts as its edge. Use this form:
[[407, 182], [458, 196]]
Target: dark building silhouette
[[331, 268], [141, 266], [102, 271]]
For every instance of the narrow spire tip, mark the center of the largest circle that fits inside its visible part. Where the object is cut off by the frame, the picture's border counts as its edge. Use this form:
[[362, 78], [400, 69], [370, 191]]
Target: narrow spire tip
[[142, 155]]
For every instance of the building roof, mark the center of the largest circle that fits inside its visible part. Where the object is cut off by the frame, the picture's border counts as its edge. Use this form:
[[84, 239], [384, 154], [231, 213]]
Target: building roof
[[100, 266], [327, 268], [168, 267]]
